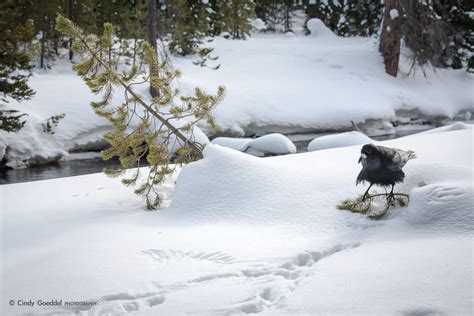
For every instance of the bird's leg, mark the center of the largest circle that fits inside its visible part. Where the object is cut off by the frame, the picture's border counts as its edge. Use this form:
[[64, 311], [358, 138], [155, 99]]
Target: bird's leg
[[367, 192], [391, 196]]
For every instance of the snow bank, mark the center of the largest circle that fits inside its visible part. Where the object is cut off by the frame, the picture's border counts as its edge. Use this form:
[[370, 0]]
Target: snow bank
[[285, 83], [248, 235], [321, 83], [271, 144], [453, 127], [339, 140], [61, 91]]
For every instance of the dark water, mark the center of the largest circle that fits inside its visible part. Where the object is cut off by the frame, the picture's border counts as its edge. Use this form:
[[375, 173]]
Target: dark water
[[71, 168], [60, 169]]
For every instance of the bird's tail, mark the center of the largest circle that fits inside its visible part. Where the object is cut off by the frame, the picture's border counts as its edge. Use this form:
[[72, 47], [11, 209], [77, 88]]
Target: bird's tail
[[411, 155], [405, 156]]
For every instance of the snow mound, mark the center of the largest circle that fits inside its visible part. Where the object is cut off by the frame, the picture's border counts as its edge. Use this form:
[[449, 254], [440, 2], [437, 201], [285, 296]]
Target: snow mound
[[453, 127], [318, 28], [271, 144], [442, 204], [251, 189], [339, 140], [240, 144]]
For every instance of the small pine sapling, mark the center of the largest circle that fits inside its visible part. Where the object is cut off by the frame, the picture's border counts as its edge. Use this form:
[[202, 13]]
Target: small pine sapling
[[153, 130]]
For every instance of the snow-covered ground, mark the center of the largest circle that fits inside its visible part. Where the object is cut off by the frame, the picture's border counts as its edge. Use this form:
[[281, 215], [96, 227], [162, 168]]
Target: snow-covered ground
[[275, 83], [245, 235]]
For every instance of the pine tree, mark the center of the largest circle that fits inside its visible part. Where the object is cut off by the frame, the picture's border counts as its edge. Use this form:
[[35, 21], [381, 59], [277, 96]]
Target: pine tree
[[14, 63], [43, 14], [348, 17], [238, 14], [271, 12], [83, 13], [233, 17], [457, 50], [151, 130], [188, 21]]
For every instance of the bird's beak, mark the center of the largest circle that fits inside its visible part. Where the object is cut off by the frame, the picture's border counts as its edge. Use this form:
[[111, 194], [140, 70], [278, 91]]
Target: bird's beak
[[362, 156]]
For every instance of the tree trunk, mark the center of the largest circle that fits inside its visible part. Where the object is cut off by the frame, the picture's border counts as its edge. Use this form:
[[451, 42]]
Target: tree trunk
[[288, 5], [152, 37], [71, 54], [42, 52], [390, 36]]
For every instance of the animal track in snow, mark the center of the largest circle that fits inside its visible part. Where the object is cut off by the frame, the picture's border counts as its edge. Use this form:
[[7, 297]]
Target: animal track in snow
[[272, 280], [282, 279], [172, 254], [443, 193]]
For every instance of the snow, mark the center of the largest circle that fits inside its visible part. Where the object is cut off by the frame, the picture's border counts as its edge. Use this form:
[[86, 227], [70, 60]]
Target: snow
[[453, 127], [245, 234], [394, 14], [339, 140], [271, 144], [258, 24]]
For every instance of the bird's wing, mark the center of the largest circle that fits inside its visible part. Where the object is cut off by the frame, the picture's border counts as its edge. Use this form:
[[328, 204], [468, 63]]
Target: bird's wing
[[401, 157], [394, 158]]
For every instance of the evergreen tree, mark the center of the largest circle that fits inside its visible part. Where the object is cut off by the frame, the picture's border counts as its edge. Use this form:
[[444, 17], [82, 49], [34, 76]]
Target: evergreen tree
[[348, 17], [14, 63], [459, 51], [141, 129], [235, 17], [271, 12], [48, 40], [241, 14], [82, 12], [189, 25]]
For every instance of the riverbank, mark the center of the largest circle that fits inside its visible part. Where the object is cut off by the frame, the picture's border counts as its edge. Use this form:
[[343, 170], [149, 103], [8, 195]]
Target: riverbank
[[275, 83]]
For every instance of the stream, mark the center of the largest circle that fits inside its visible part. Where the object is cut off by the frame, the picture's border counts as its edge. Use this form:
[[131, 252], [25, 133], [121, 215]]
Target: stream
[[76, 167]]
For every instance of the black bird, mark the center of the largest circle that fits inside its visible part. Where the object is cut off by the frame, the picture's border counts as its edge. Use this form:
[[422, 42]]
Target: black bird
[[382, 166]]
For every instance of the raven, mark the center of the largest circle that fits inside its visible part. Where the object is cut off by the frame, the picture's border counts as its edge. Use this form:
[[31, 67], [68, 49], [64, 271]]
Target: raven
[[382, 166]]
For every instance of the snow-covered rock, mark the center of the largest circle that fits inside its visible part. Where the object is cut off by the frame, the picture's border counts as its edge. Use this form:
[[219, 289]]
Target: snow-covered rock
[[240, 144], [339, 140], [246, 235], [271, 144]]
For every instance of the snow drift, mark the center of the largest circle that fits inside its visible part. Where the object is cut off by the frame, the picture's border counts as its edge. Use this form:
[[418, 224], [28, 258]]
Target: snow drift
[[248, 235]]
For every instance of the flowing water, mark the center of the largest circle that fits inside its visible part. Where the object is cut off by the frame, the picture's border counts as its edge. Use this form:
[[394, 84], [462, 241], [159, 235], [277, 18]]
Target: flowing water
[[76, 167]]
